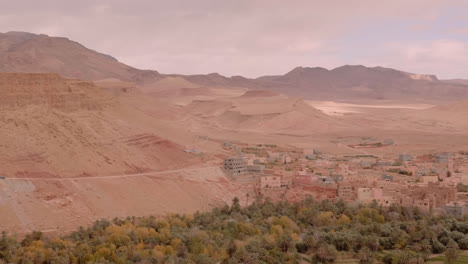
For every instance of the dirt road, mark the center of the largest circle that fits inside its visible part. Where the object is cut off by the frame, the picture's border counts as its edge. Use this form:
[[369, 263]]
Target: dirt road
[[113, 176]]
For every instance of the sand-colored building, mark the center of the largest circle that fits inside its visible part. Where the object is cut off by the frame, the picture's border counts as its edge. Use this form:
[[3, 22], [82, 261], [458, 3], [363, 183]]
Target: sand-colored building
[[268, 182], [235, 166]]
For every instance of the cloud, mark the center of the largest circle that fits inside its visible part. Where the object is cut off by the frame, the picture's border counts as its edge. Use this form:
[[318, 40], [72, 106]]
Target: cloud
[[446, 58], [459, 31]]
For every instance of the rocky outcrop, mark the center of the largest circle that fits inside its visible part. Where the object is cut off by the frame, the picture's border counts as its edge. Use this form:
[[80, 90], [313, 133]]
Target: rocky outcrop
[[25, 89], [32, 53]]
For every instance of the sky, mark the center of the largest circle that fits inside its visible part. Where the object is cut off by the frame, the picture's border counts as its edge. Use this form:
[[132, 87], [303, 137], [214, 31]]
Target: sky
[[257, 37]]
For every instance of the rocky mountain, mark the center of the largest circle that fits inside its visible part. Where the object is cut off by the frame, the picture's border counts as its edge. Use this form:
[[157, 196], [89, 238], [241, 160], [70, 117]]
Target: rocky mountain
[[32, 53], [457, 81], [360, 82], [346, 82], [50, 90], [26, 52]]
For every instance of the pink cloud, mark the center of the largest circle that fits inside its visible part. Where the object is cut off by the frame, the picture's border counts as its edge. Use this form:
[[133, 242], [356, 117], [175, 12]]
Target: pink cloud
[[446, 58]]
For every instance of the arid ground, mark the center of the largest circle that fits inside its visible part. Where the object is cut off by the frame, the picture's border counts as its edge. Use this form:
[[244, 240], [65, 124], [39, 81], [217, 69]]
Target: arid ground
[[80, 151]]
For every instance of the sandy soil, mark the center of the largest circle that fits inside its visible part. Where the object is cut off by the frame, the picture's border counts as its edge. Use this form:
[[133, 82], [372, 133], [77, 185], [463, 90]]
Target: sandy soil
[[338, 108], [58, 205]]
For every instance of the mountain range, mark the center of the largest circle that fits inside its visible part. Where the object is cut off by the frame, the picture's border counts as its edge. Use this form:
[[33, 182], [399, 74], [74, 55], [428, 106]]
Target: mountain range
[[32, 53]]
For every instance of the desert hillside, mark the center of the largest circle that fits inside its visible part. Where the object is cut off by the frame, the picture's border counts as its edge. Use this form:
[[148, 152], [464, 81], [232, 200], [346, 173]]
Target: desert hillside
[[78, 150], [32, 53], [62, 128], [51, 90], [452, 115], [129, 142]]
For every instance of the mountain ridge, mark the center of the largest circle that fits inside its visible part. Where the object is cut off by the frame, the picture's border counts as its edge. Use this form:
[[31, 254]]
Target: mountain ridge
[[28, 52]]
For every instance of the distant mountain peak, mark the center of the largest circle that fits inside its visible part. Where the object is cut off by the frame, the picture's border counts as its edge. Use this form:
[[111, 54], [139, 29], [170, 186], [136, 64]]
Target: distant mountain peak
[[28, 52], [19, 33], [215, 74], [304, 70]]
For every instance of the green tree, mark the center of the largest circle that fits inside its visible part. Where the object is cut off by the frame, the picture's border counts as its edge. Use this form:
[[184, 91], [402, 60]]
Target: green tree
[[452, 255], [235, 207], [326, 253], [365, 256]]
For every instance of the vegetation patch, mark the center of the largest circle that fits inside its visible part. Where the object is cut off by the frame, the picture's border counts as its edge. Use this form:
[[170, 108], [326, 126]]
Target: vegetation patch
[[264, 232]]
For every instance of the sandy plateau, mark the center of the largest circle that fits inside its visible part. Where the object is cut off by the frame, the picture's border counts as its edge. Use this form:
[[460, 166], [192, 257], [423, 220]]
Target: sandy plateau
[[73, 151]]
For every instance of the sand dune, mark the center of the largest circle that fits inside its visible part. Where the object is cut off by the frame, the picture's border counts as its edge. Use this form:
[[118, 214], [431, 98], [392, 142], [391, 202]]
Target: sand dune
[[266, 114]]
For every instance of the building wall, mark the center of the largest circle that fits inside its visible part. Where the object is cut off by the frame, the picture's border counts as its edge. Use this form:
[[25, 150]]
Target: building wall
[[235, 166], [270, 182]]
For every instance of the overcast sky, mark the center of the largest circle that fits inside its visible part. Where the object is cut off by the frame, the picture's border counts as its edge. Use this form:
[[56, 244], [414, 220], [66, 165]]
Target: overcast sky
[[257, 37]]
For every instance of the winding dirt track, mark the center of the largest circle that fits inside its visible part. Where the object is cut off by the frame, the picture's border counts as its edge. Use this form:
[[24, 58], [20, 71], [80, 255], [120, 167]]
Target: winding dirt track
[[112, 176]]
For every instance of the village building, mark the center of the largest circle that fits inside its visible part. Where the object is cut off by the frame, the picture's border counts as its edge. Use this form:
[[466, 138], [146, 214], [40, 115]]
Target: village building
[[286, 182], [382, 163], [326, 180], [317, 152], [457, 209], [235, 166], [367, 195], [268, 182], [285, 159], [322, 192], [422, 171], [432, 196], [427, 181], [366, 164], [430, 179], [405, 157], [388, 178], [259, 161], [337, 177], [257, 169], [347, 191], [443, 157], [229, 146], [342, 168], [324, 156], [304, 179]]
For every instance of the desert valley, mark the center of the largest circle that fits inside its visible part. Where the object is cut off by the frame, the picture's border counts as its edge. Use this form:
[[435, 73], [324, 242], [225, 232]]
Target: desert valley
[[117, 141], [84, 137]]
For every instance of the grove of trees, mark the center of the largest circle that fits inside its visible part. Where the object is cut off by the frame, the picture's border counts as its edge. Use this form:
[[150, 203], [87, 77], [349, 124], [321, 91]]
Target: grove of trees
[[264, 232]]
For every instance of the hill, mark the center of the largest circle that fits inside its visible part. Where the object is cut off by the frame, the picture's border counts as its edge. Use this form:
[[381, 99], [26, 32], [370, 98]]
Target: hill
[[51, 90], [263, 113], [32, 53], [451, 114], [26, 52], [360, 82], [349, 82], [72, 152], [457, 81], [82, 122]]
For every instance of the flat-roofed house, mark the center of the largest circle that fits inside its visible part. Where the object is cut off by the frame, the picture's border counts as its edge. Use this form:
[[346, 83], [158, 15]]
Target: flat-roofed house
[[267, 182], [235, 166]]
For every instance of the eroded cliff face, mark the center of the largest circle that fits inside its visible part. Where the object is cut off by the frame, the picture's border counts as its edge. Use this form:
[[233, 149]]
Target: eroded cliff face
[[48, 89], [51, 126]]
